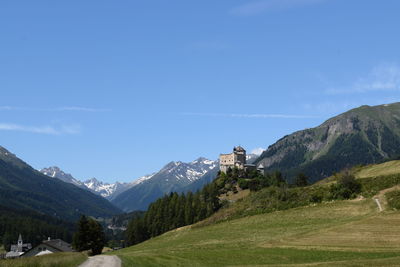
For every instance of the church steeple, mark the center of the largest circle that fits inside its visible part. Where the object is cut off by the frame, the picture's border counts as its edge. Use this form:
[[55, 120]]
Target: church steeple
[[20, 243], [20, 240]]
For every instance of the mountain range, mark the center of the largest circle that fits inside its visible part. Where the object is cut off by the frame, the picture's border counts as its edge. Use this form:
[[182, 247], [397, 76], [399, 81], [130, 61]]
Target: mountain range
[[360, 136], [106, 190], [364, 135], [175, 176]]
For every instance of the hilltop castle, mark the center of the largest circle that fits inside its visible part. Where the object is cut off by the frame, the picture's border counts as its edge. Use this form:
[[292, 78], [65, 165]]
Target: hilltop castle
[[235, 159]]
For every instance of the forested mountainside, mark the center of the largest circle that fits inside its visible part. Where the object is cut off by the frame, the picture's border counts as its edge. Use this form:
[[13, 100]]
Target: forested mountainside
[[22, 187]]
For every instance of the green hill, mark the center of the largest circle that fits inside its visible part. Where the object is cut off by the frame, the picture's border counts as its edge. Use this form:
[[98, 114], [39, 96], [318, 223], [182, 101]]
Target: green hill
[[365, 135], [271, 228]]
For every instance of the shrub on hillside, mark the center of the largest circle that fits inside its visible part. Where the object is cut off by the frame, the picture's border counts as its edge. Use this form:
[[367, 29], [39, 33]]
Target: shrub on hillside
[[393, 199], [371, 186], [347, 186], [243, 183]]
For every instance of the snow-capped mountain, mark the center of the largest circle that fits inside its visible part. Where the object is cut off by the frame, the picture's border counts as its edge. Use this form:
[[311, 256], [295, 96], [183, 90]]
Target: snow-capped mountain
[[174, 176], [186, 172], [106, 190], [56, 172]]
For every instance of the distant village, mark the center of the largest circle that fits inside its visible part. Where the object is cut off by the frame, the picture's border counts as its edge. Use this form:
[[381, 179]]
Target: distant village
[[49, 246]]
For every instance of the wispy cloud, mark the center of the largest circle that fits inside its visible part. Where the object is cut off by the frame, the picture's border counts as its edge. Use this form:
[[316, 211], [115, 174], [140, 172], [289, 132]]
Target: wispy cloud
[[259, 7], [83, 109], [255, 116], [257, 151], [382, 78], [66, 108], [50, 130], [10, 108]]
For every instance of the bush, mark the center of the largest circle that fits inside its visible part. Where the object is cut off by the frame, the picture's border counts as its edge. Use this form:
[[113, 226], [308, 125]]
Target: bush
[[254, 185], [393, 199], [243, 183], [301, 180], [234, 190], [347, 186], [316, 197]]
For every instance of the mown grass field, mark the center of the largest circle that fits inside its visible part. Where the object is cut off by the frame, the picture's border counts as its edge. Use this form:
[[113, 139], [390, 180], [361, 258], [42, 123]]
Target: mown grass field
[[342, 233], [52, 260]]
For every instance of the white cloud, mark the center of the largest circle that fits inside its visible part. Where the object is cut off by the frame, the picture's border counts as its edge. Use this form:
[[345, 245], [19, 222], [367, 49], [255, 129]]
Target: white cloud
[[258, 151], [255, 116], [10, 108], [382, 78], [83, 109], [65, 129], [258, 7]]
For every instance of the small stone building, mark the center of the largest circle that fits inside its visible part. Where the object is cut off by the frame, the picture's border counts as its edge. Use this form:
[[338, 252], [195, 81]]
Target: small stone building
[[49, 246], [235, 159]]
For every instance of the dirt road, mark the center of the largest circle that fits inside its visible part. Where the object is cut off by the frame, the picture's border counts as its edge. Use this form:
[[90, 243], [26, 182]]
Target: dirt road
[[102, 261]]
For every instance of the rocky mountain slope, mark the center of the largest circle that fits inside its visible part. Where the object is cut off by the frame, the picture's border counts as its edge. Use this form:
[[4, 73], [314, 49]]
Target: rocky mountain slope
[[106, 190], [364, 135], [172, 177], [56, 172], [22, 187]]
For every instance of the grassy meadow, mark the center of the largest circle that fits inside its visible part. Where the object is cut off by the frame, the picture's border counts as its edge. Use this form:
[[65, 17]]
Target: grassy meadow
[[335, 233], [64, 259], [383, 169], [346, 233]]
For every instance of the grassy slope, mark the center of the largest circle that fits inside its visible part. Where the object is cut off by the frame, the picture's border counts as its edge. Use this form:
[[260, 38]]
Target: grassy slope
[[345, 233], [53, 260], [387, 168], [328, 233]]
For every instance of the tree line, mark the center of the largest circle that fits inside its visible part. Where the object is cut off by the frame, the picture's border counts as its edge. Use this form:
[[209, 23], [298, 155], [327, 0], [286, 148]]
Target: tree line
[[34, 227], [173, 211], [176, 210]]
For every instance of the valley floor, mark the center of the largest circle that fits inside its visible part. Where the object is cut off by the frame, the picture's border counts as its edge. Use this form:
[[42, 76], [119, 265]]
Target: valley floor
[[341, 233]]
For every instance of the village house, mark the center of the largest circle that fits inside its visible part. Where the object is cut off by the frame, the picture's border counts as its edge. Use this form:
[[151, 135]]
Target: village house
[[49, 246]]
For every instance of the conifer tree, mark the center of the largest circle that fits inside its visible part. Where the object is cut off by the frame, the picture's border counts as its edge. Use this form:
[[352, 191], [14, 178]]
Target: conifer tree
[[90, 235]]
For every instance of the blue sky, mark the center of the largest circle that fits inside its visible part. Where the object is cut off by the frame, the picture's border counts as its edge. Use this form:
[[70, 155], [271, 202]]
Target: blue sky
[[117, 89]]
